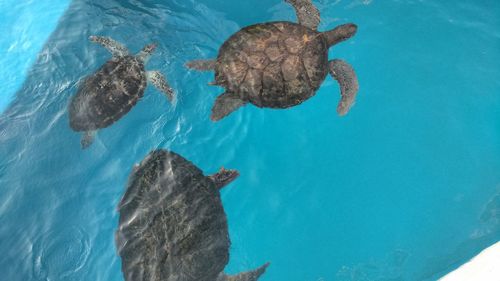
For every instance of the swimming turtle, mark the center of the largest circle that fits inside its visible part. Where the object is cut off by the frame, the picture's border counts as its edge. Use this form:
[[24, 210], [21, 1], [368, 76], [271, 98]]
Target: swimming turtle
[[108, 94], [279, 64], [172, 224]]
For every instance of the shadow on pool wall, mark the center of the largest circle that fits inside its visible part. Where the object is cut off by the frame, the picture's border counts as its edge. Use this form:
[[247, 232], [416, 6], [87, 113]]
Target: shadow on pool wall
[[58, 202]]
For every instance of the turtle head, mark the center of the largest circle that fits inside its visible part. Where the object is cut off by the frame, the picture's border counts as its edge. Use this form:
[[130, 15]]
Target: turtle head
[[146, 52], [224, 177], [340, 33], [149, 48]]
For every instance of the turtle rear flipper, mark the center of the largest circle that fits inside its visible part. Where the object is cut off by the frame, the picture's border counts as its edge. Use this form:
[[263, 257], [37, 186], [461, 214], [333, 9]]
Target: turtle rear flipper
[[307, 13], [159, 81], [252, 275], [201, 65], [225, 104], [87, 139], [116, 49], [348, 81]]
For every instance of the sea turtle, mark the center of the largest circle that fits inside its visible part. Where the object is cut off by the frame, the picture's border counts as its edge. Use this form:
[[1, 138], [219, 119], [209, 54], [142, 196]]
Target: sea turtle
[[108, 94], [172, 224], [279, 64]]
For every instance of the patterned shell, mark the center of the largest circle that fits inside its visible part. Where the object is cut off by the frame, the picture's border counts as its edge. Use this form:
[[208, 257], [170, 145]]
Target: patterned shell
[[172, 223], [107, 95], [276, 64]]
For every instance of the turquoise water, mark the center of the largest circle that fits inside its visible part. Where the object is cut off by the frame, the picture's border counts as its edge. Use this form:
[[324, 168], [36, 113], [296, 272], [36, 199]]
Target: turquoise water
[[405, 187], [25, 27]]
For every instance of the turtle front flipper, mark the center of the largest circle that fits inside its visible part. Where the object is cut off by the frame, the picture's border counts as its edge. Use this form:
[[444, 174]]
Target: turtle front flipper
[[348, 81], [307, 13], [87, 139], [252, 275], [159, 81], [225, 104], [201, 65], [116, 49]]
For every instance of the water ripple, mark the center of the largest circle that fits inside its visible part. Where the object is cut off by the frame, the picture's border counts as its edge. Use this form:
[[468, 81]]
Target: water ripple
[[60, 254]]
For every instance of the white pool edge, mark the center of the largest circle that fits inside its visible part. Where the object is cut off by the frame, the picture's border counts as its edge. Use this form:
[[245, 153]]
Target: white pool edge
[[483, 267]]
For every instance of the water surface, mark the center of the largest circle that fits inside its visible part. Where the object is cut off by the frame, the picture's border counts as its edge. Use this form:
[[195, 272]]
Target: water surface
[[402, 188]]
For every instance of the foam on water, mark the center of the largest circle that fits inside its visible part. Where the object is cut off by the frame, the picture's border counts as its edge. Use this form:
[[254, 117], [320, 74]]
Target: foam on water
[[399, 189]]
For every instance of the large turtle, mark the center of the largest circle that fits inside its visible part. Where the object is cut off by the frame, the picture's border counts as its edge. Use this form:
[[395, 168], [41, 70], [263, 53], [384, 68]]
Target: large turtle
[[172, 223], [108, 94], [279, 64]]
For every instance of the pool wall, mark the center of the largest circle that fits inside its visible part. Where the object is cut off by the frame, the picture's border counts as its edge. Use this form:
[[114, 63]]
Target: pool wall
[[25, 28]]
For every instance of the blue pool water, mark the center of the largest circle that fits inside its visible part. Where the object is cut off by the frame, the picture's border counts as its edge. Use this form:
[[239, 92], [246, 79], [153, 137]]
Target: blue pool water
[[405, 187], [25, 27]]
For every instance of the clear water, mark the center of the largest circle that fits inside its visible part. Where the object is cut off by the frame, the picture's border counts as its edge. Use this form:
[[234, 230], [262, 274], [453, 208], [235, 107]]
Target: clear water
[[402, 188], [25, 27]]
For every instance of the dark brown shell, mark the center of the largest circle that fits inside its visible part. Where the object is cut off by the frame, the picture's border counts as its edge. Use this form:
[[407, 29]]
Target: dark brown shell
[[172, 224], [107, 95], [276, 64]]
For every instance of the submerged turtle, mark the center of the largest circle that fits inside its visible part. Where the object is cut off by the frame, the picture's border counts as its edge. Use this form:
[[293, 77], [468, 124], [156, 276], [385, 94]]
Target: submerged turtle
[[172, 223], [108, 94], [279, 64]]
